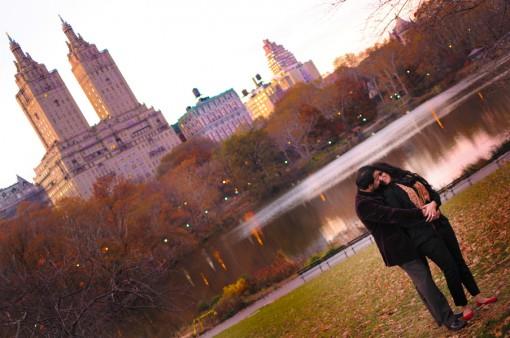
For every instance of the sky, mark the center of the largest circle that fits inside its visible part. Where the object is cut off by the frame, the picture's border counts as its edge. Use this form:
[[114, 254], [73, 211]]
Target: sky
[[164, 49]]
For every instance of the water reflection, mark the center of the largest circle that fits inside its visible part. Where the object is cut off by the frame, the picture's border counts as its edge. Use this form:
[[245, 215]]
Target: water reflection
[[335, 230]]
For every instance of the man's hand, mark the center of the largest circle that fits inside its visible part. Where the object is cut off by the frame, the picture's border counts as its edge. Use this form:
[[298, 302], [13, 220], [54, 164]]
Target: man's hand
[[430, 211]]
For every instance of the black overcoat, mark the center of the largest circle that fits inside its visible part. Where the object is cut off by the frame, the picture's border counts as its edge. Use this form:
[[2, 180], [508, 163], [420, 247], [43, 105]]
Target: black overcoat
[[386, 224]]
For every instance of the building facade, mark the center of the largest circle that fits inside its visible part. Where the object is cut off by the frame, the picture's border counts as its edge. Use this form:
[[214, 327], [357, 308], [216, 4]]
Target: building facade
[[98, 76], [45, 100], [279, 59], [262, 100], [216, 118], [287, 70], [129, 141], [21, 191]]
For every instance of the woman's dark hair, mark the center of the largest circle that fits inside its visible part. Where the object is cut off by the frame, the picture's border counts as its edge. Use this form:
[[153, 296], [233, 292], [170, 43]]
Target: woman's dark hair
[[399, 175], [365, 177]]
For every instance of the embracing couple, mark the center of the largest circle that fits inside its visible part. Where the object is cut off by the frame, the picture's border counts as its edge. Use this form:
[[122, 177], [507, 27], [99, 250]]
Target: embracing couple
[[401, 211]]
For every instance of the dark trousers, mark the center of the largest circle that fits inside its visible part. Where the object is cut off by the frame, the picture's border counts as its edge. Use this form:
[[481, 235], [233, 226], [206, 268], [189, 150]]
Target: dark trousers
[[444, 250], [419, 272], [445, 231]]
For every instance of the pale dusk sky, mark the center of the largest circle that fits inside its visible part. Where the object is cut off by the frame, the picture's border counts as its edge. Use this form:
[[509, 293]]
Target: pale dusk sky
[[164, 49]]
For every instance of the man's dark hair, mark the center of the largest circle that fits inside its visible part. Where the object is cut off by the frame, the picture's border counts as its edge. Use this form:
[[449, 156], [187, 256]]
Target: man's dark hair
[[365, 177]]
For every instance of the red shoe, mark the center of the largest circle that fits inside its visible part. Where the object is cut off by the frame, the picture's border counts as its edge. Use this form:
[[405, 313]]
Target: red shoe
[[487, 301], [469, 315]]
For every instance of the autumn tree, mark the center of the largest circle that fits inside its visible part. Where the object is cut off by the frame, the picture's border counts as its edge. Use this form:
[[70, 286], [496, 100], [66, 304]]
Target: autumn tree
[[252, 162], [192, 180], [290, 128], [196, 188], [199, 149], [442, 35], [352, 97], [348, 60], [294, 117], [90, 267], [297, 96]]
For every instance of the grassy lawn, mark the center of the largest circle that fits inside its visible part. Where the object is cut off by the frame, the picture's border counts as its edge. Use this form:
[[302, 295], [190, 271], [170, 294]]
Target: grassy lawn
[[360, 297]]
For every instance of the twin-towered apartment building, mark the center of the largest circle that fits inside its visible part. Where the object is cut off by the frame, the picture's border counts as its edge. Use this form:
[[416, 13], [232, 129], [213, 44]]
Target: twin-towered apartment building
[[130, 138]]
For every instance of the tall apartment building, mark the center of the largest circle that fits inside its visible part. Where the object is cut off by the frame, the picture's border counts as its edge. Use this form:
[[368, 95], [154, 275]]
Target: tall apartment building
[[129, 140], [287, 70], [216, 118], [99, 77], [46, 101], [279, 59]]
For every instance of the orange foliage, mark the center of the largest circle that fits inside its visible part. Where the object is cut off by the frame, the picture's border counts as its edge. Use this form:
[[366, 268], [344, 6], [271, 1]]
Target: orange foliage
[[88, 267]]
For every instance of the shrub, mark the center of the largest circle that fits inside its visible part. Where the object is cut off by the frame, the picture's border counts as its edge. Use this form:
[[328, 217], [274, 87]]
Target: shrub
[[281, 268], [315, 258], [236, 288], [231, 300]]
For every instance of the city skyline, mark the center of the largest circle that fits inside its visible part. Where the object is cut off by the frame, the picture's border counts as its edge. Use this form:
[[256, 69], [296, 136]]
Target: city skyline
[[161, 74]]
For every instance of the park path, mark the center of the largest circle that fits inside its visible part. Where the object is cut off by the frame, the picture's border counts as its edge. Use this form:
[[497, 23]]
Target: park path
[[344, 254]]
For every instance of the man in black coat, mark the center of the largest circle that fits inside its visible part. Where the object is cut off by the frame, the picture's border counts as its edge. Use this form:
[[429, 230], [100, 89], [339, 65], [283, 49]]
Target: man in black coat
[[386, 225]]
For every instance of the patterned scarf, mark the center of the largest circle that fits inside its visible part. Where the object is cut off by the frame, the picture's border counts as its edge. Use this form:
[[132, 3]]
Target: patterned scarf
[[418, 194]]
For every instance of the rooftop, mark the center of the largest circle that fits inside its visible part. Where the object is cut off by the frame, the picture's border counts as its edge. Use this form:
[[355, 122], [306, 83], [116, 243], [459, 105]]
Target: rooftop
[[204, 101]]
